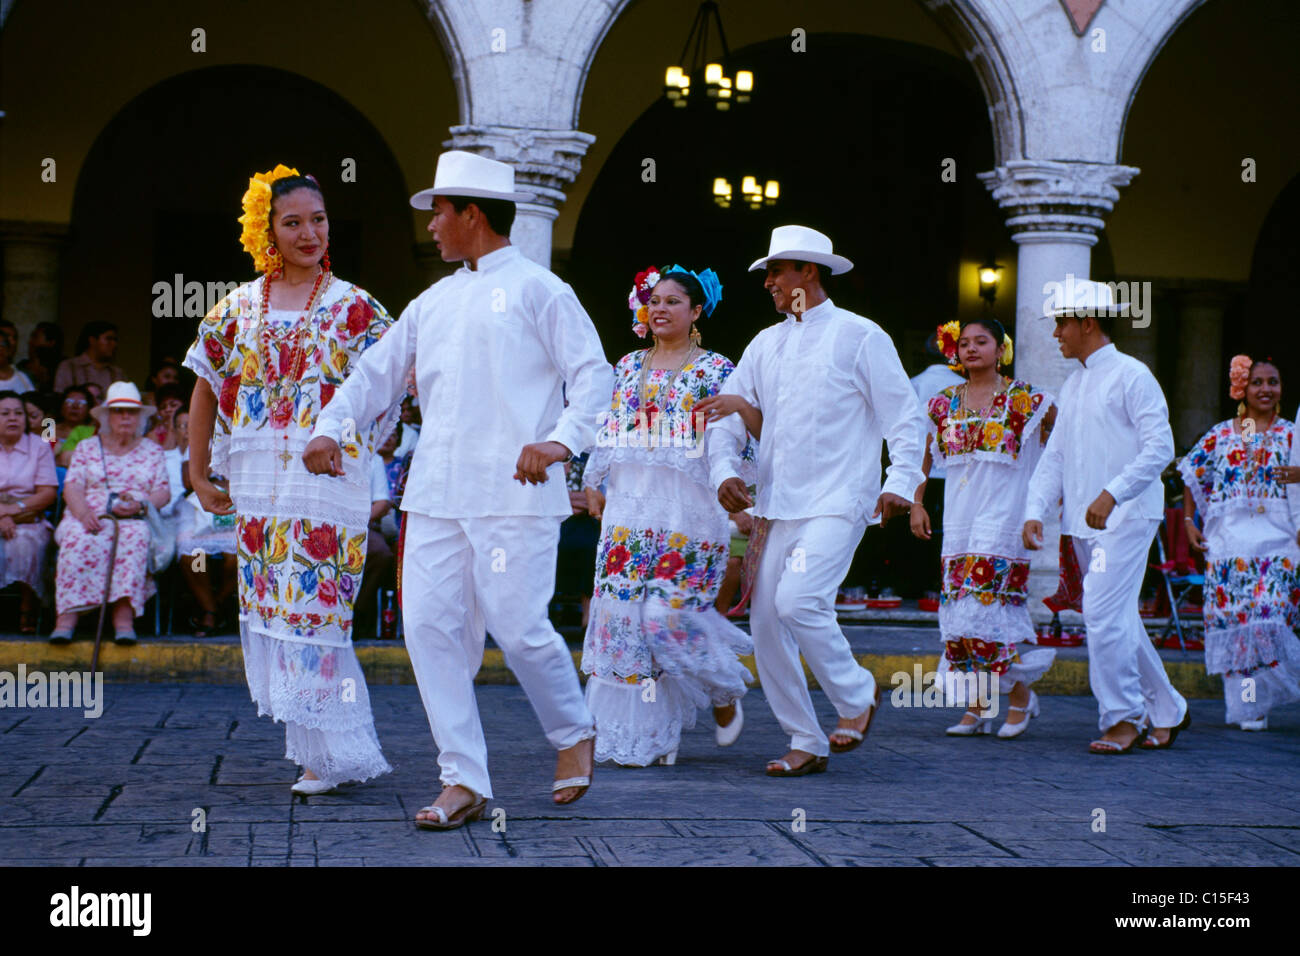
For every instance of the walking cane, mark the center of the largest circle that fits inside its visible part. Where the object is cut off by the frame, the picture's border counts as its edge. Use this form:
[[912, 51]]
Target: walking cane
[[108, 587]]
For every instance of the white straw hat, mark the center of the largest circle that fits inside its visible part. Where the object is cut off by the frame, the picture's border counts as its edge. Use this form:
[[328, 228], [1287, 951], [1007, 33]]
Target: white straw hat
[[123, 395], [467, 174], [802, 245], [1084, 297]]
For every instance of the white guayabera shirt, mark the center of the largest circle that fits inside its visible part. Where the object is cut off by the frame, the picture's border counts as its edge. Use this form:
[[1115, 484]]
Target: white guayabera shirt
[[1112, 433], [831, 388], [493, 349]]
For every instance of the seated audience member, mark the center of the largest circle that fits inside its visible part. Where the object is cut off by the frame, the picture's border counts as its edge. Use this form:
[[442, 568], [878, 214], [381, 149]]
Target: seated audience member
[[75, 423], [168, 372], [169, 399], [11, 379], [27, 489], [116, 472], [44, 353], [93, 363]]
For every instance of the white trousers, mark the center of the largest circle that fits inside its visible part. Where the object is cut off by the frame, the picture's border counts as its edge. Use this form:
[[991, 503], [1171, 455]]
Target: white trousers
[[459, 576], [792, 609], [1127, 676]]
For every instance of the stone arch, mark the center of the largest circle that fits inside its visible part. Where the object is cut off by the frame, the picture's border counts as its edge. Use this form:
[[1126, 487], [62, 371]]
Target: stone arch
[[160, 145]]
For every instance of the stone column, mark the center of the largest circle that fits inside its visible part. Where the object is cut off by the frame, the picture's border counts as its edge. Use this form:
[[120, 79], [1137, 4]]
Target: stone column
[[1201, 379], [545, 161], [1054, 211], [31, 275]]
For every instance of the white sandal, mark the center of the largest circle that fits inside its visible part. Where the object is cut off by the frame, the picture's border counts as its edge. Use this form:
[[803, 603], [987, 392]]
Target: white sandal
[[466, 814]]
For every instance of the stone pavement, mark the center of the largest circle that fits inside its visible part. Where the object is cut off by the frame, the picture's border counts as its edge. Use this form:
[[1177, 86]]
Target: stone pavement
[[124, 789]]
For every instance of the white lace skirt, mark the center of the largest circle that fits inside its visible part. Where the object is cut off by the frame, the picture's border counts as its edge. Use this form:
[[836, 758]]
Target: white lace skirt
[[320, 694], [638, 723], [693, 656]]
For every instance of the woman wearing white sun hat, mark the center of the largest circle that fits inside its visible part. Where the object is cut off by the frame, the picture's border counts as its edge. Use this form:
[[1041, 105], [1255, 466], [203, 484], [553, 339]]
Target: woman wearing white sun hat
[[115, 472]]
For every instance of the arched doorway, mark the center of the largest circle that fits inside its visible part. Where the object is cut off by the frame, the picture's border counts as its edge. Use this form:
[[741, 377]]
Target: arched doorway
[[857, 137], [1269, 327], [158, 197]]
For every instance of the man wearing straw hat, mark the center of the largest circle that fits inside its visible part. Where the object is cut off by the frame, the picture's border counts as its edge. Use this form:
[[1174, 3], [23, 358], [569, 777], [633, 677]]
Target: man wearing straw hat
[[1111, 442], [831, 388], [496, 347]]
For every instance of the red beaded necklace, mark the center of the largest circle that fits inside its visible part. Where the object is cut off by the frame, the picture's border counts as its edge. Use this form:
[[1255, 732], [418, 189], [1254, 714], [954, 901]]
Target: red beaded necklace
[[297, 333]]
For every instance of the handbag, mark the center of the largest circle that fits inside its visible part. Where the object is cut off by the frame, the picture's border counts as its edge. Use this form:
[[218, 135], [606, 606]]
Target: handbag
[[162, 533]]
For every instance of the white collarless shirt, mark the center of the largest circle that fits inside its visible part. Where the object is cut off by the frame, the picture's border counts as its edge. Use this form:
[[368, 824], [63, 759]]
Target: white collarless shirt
[[494, 349], [831, 389], [1111, 434]]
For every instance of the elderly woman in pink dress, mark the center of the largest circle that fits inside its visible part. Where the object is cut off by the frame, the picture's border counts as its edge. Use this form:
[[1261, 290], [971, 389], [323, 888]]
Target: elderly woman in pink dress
[[27, 488], [116, 469]]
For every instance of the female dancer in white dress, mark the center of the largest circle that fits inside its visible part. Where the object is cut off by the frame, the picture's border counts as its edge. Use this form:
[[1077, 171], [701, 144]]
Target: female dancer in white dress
[[656, 648], [989, 431], [269, 357], [1238, 478]]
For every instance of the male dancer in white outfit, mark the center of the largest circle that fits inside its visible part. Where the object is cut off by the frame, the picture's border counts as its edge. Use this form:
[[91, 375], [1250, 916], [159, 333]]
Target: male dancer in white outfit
[[1111, 442], [495, 346], [831, 387]]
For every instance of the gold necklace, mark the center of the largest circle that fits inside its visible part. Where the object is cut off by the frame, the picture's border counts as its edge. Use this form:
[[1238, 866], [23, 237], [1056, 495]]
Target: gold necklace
[[645, 366], [963, 410]]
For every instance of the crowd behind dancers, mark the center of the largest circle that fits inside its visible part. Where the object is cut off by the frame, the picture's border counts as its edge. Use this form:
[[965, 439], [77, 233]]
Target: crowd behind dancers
[[294, 427]]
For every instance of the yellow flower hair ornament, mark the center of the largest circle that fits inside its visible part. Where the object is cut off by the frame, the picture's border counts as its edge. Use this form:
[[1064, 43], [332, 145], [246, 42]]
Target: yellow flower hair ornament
[[256, 220], [945, 337], [1008, 351]]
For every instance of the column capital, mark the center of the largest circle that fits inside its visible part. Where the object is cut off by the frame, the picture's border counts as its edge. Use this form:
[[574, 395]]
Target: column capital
[[1049, 201], [546, 161]]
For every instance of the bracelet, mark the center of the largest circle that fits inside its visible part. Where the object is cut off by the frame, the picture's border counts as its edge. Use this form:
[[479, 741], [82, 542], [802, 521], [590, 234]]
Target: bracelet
[[1189, 521]]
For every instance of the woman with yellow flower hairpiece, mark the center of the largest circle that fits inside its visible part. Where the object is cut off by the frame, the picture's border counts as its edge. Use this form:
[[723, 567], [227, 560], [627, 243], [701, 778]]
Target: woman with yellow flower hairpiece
[[989, 432], [1240, 481], [268, 358]]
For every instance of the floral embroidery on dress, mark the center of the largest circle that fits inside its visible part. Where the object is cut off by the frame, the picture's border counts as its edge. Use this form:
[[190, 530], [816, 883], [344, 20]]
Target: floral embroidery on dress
[[988, 578], [228, 336], [1245, 589], [1000, 433], [303, 573], [972, 654], [669, 399], [1226, 465]]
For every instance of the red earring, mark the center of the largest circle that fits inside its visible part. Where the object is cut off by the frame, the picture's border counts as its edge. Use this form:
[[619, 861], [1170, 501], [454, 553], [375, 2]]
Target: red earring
[[325, 261], [274, 261]]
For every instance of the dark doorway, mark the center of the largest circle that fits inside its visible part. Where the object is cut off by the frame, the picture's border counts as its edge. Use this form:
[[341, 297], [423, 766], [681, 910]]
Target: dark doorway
[[159, 194]]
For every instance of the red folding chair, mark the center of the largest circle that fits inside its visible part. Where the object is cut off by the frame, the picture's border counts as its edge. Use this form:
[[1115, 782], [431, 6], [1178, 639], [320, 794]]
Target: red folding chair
[[1180, 578], [1068, 597]]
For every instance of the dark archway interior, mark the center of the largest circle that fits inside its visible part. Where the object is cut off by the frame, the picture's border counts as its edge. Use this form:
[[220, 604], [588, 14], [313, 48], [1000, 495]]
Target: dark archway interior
[[856, 132], [1270, 327], [159, 196]]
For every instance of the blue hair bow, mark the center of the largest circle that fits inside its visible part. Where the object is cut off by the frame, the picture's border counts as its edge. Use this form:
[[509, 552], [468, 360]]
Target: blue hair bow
[[709, 282]]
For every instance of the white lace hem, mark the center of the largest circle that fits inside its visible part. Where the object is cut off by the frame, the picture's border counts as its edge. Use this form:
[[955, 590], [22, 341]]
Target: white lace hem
[[320, 694], [997, 623], [632, 730], [1269, 687], [1248, 647]]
